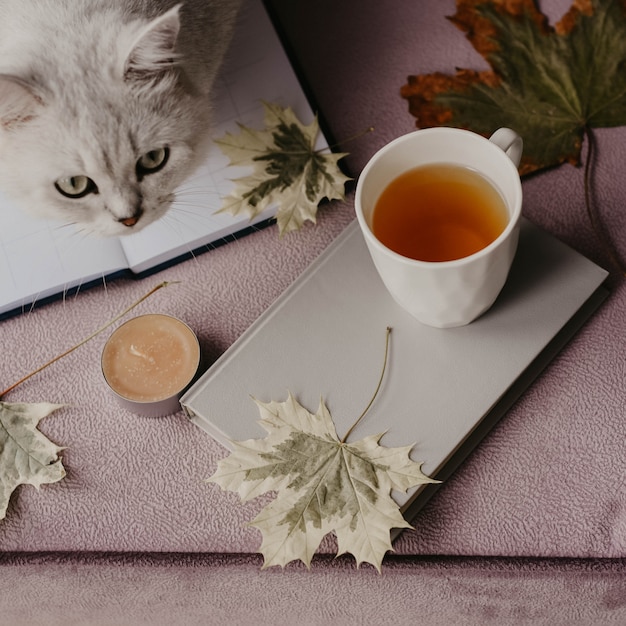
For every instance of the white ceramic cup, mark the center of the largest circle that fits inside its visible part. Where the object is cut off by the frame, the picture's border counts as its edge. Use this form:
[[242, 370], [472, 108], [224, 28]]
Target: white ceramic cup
[[448, 293]]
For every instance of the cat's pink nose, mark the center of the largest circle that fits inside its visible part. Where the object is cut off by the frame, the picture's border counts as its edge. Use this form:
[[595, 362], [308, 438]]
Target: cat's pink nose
[[133, 219]]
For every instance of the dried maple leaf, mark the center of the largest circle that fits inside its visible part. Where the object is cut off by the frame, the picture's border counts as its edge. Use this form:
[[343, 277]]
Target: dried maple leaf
[[287, 169], [322, 484], [551, 84], [26, 455]]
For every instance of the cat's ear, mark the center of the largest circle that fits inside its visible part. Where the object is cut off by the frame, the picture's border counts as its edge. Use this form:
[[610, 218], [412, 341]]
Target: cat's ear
[[153, 51], [18, 104]]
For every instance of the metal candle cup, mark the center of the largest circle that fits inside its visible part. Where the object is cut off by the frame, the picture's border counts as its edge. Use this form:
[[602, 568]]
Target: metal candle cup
[[149, 361]]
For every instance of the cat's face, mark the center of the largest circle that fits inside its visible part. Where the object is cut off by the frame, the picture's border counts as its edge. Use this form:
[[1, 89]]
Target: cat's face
[[105, 155], [108, 175]]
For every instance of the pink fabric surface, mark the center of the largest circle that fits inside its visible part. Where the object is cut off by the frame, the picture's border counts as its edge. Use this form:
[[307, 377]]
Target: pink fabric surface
[[196, 590], [549, 480]]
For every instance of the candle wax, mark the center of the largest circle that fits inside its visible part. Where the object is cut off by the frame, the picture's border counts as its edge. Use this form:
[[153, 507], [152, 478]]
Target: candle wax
[[150, 358]]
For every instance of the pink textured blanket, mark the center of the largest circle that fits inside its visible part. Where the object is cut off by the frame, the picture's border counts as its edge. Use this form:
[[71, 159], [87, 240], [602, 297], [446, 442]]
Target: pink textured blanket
[[196, 590], [549, 480]]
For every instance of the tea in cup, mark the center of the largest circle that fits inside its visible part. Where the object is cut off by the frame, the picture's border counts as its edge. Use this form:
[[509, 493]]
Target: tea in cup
[[439, 209]]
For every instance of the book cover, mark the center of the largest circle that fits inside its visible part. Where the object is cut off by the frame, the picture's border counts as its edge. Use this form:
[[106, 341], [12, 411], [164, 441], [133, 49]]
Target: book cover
[[40, 258], [443, 389]]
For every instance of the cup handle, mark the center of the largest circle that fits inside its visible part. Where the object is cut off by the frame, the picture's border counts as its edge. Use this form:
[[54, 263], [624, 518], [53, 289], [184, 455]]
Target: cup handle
[[509, 141]]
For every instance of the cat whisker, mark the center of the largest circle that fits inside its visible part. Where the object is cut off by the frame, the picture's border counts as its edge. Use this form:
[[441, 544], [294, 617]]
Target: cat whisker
[[67, 238], [200, 185], [193, 210], [199, 198], [64, 226], [78, 288], [170, 221], [189, 202]]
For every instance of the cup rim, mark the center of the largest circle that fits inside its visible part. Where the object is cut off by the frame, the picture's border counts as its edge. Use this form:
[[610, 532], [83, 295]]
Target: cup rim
[[365, 227]]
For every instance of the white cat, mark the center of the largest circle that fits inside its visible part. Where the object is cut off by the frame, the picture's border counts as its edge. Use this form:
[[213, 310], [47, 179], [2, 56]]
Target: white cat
[[105, 104]]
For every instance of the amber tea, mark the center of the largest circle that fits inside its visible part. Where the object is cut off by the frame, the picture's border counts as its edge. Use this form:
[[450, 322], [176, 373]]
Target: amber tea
[[439, 212]]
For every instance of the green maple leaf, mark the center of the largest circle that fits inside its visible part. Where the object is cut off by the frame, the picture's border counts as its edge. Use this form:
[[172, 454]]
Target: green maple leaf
[[550, 84], [287, 169], [322, 485], [26, 455]]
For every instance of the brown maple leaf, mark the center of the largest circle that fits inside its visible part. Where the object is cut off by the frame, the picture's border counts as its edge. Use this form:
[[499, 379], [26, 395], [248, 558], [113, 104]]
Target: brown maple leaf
[[551, 84]]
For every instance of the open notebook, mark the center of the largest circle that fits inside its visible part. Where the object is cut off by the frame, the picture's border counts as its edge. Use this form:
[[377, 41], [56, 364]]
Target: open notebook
[[41, 259], [444, 389]]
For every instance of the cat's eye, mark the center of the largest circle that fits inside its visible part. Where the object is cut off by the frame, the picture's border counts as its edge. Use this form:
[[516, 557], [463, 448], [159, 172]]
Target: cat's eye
[[75, 186], [152, 162]]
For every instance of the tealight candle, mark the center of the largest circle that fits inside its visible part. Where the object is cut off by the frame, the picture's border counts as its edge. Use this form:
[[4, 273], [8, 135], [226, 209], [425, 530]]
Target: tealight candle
[[149, 361]]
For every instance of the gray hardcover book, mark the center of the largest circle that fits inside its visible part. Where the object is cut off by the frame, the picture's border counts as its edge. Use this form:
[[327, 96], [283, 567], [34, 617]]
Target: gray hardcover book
[[443, 390]]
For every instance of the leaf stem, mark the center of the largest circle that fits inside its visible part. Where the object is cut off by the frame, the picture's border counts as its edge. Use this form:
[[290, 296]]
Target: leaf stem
[[592, 212], [380, 382], [84, 341], [358, 135]]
